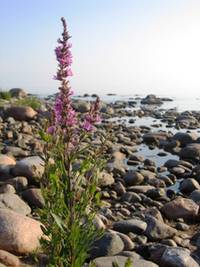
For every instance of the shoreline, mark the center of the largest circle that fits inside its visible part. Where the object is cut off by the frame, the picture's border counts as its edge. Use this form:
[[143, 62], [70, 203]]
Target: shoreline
[[150, 185]]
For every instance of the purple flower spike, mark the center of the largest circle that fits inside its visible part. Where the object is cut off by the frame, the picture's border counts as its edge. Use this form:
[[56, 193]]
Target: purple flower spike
[[65, 117], [64, 114], [92, 116]]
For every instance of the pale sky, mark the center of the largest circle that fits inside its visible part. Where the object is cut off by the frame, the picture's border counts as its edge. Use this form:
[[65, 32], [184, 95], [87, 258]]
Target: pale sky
[[124, 47]]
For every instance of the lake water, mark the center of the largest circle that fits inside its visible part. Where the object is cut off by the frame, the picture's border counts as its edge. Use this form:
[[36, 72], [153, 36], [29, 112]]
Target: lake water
[[179, 103]]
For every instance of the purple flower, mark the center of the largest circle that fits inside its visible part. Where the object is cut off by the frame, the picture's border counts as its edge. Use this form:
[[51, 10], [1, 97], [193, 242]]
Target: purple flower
[[64, 114], [87, 126], [92, 116], [65, 117], [51, 130]]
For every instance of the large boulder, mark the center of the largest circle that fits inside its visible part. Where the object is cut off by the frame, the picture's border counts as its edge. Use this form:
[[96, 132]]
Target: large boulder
[[17, 92], [180, 208], [29, 167], [191, 151], [186, 120], [185, 138], [18, 233], [20, 113], [151, 100]]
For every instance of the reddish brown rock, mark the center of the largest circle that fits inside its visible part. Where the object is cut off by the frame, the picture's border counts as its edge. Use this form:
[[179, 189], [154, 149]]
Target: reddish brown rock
[[18, 233], [180, 208], [21, 113]]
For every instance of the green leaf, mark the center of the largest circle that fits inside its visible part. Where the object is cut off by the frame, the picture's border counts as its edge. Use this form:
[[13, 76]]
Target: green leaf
[[114, 264], [44, 136], [128, 263], [58, 220]]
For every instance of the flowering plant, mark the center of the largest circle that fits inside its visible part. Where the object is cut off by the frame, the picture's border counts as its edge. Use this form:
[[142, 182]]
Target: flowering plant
[[73, 163]]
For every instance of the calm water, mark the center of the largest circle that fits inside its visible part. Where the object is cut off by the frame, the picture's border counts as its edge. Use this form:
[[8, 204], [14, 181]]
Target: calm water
[[179, 103]]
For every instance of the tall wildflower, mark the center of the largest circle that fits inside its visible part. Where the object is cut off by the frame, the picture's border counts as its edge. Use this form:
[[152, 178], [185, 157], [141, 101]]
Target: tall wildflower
[[71, 174], [65, 117]]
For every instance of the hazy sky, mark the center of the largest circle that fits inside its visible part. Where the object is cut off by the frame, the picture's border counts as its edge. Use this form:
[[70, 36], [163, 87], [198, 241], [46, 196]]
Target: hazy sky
[[127, 47]]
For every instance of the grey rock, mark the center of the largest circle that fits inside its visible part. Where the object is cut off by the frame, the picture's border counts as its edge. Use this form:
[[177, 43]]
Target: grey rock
[[15, 203], [29, 167], [121, 260], [18, 92], [157, 230], [131, 197], [33, 197], [177, 257], [141, 188], [189, 185], [154, 212], [132, 225], [119, 188], [130, 254], [81, 106], [178, 171], [148, 174], [171, 163], [128, 243], [182, 226], [169, 242], [15, 151], [108, 245], [191, 151], [20, 183], [151, 100], [133, 178], [195, 196], [7, 188], [185, 138], [135, 157], [98, 222], [155, 137]]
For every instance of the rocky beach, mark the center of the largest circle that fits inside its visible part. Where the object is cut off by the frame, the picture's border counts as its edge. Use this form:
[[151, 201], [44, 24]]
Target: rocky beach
[[150, 186]]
